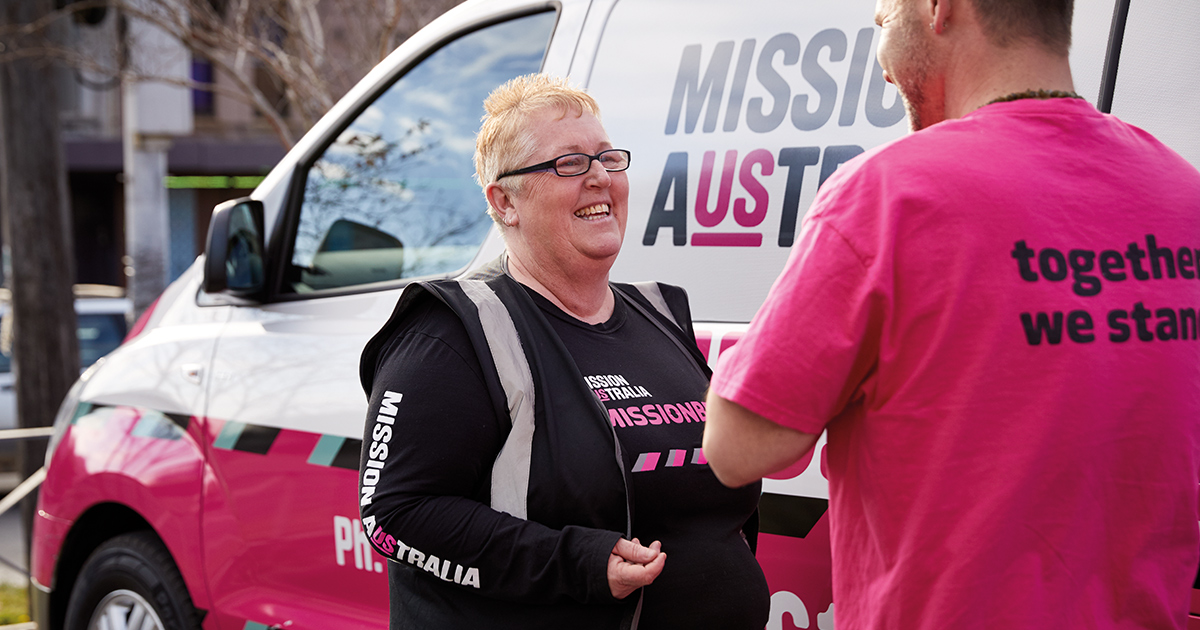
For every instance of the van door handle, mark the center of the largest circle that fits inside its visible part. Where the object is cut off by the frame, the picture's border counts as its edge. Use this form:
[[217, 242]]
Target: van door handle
[[193, 372]]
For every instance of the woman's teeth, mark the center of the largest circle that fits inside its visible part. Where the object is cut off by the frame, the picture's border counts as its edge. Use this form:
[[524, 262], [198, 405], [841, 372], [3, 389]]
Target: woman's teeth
[[596, 211]]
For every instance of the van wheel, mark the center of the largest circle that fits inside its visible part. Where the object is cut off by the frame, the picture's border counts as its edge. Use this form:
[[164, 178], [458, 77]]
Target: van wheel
[[131, 582]]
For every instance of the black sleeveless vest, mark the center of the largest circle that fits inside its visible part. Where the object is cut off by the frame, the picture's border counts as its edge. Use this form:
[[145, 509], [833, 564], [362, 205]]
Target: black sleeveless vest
[[561, 462]]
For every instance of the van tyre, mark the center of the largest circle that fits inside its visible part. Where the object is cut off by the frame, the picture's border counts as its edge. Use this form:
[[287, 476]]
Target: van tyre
[[131, 582]]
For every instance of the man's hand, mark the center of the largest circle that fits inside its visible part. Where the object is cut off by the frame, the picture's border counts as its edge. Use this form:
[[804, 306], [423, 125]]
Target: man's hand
[[742, 446], [632, 566]]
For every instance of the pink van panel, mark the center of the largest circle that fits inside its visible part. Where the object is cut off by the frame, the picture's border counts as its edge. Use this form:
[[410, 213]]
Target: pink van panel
[[145, 460]]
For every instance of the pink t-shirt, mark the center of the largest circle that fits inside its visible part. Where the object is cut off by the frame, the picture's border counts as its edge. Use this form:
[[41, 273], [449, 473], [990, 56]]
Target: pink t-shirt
[[995, 319]]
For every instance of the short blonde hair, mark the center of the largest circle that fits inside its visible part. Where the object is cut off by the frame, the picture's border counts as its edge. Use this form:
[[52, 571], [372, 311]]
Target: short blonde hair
[[504, 142]]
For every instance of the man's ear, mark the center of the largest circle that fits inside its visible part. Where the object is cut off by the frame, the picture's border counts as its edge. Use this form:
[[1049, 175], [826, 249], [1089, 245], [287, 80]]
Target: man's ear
[[502, 201], [938, 12]]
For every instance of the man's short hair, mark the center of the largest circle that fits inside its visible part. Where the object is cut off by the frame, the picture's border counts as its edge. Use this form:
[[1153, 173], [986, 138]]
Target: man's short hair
[[1047, 22], [505, 142]]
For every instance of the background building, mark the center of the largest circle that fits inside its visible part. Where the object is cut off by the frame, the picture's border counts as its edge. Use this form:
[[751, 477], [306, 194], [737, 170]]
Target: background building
[[232, 145]]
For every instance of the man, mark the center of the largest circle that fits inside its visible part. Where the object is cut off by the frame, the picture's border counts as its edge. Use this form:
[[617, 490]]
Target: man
[[994, 318]]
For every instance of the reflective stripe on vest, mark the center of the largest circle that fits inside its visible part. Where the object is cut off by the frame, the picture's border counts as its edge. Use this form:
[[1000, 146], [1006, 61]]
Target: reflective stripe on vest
[[510, 472], [653, 294]]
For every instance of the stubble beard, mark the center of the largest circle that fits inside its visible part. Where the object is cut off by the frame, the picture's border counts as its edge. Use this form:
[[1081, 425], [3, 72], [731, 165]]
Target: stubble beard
[[914, 100], [914, 75]]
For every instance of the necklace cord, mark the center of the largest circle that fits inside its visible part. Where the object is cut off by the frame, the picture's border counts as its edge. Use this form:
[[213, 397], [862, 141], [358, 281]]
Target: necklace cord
[[1038, 94]]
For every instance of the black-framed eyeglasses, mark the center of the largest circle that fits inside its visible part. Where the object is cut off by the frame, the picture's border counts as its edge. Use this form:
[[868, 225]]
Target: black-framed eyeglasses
[[575, 164]]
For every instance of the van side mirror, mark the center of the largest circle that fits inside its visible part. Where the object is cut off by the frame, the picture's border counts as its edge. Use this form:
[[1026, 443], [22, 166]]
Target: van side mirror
[[234, 260]]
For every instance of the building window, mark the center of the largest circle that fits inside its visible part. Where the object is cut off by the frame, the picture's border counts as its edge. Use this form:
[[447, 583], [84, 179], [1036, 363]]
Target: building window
[[202, 99]]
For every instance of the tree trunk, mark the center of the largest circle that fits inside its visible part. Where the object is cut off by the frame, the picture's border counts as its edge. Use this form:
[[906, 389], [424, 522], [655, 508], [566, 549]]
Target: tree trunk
[[38, 240]]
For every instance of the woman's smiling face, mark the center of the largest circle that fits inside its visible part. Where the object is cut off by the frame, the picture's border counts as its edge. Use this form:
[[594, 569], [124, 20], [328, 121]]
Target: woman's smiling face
[[569, 221]]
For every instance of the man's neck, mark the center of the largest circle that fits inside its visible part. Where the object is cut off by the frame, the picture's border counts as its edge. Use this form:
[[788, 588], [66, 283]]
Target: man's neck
[[974, 83]]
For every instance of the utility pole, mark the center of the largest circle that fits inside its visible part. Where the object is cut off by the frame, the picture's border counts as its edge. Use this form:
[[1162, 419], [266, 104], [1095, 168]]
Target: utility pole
[[38, 244]]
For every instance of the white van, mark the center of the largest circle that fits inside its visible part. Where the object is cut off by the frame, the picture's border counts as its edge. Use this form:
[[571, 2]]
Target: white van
[[204, 474]]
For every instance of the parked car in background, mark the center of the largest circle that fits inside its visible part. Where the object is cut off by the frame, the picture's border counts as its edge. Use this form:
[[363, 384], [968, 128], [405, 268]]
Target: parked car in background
[[102, 316]]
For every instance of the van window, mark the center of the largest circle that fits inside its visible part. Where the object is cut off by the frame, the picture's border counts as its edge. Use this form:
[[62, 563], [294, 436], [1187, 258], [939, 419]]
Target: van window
[[395, 196]]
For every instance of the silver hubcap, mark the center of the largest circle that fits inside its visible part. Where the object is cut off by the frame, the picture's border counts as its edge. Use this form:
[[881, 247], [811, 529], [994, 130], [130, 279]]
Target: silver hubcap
[[124, 610]]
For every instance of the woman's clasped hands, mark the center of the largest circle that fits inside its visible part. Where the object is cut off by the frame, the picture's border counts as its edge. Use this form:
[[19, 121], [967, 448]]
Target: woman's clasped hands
[[632, 566]]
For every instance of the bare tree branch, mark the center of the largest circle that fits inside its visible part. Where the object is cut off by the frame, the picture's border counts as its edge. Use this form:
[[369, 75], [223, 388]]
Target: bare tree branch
[[263, 47]]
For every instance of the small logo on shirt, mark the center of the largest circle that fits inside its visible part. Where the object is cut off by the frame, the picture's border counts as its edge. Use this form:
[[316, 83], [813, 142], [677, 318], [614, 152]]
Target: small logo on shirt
[[615, 387]]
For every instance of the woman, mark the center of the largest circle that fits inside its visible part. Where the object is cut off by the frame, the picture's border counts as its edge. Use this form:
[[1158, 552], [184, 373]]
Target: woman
[[531, 424]]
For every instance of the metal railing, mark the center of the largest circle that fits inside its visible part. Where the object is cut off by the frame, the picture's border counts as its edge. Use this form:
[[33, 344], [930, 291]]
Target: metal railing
[[26, 486]]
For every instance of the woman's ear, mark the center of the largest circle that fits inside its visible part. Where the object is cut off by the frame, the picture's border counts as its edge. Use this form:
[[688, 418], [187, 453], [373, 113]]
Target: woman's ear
[[502, 201]]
